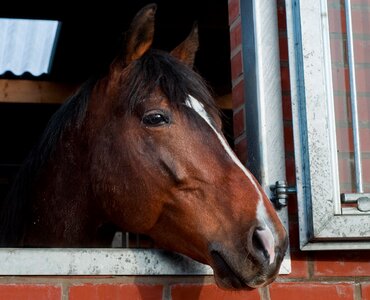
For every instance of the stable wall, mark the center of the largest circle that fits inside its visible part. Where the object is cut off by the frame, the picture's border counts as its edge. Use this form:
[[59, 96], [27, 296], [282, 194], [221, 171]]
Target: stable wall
[[315, 275]]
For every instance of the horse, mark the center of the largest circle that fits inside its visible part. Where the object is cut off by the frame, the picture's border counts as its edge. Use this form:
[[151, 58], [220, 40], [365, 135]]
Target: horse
[[141, 149]]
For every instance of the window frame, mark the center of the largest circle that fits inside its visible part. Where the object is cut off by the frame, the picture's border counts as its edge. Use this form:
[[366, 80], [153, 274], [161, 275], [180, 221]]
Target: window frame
[[97, 261], [324, 225]]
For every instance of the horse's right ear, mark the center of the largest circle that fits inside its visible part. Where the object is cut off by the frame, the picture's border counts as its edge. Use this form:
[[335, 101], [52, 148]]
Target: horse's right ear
[[139, 37], [187, 49]]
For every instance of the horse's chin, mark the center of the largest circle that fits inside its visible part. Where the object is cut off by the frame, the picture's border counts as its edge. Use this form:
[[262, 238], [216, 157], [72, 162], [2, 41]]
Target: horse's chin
[[229, 278]]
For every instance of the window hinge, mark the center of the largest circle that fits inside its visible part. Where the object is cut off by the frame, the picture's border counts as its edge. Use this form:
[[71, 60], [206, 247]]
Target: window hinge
[[362, 200], [281, 191]]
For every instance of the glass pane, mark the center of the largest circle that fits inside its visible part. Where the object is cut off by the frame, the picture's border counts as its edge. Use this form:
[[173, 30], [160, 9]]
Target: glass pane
[[341, 85]]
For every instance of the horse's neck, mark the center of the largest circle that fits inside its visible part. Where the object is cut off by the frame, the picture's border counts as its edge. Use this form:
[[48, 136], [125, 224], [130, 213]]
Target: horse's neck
[[64, 211]]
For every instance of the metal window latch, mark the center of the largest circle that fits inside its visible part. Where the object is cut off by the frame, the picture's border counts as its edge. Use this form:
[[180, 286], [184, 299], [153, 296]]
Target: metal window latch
[[281, 191], [362, 200]]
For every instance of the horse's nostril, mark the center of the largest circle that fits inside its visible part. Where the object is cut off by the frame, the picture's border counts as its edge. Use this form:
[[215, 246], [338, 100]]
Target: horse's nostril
[[257, 244], [263, 244]]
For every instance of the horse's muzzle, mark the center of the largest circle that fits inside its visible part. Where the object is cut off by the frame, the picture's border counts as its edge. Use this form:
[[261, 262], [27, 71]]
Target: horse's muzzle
[[235, 276], [252, 265]]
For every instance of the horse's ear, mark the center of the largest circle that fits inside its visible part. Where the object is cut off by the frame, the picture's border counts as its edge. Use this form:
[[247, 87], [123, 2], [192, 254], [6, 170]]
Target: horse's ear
[[139, 37], [187, 49]]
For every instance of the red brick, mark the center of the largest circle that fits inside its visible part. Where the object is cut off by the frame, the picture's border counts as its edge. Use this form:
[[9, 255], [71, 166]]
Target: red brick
[[299, 264], [345, 135], [344, 139], [293, 210], [236, 65], [363, 2], [293, 228], [363, 109], [238, 95], [239, 123], [281, 18], [241, 150], [30, 292], [290, 169], [283, 48], [288, 138], [287, 108], [338, 51], [366, 170], [342, 263], [345, 173], [234, 10], [340, 79], [361, 50], [235, 36], [360, 21], [115, 291], [311, 291], [337, 20], [365, 291], [347, 145], [365, 141], [362, 79], [341, 107], [210, 292], [285, 79]]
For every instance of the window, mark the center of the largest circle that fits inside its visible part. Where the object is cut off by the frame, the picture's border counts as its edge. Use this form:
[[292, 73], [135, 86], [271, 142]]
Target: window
[[27, 45], [328, 160]]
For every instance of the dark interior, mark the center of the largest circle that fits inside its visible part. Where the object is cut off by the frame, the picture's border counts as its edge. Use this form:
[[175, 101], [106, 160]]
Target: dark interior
[[89, 39], [91, 36]]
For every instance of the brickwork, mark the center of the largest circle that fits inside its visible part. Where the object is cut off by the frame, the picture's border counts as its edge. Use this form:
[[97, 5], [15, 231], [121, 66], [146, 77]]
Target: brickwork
[[238, 95], [115, 291], [30, 292], [315, 275]]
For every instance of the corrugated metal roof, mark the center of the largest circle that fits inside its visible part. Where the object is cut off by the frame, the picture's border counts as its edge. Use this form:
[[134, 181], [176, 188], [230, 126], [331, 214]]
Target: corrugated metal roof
[[27, 45]]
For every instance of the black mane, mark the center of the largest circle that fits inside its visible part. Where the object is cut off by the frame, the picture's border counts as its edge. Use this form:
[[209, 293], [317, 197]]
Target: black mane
[[15, 208], [158, 69], [153, 70]]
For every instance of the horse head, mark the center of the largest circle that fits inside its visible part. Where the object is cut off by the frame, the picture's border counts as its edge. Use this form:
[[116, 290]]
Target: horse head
[[161, 166]]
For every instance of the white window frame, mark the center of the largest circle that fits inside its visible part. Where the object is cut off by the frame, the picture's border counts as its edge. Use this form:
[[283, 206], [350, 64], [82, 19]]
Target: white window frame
[[324, 224], [271, 162], [89, 261]]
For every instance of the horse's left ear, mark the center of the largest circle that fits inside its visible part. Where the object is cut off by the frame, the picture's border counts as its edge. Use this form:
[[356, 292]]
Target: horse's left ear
[[187, 49], [139, 37]]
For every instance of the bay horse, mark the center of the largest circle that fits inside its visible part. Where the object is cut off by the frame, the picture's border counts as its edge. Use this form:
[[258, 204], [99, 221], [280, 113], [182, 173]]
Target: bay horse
[[142, 149]]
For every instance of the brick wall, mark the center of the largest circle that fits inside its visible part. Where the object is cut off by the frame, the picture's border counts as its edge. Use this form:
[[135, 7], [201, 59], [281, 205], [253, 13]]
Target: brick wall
[[238, 97], [315, 275]]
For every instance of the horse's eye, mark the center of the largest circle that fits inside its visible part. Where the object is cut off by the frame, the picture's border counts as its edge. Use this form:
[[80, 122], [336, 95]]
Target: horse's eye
[[154, 119]]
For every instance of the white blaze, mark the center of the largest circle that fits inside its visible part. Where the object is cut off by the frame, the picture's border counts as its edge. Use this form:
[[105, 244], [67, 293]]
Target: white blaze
[[199, 108], [261, 209]]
